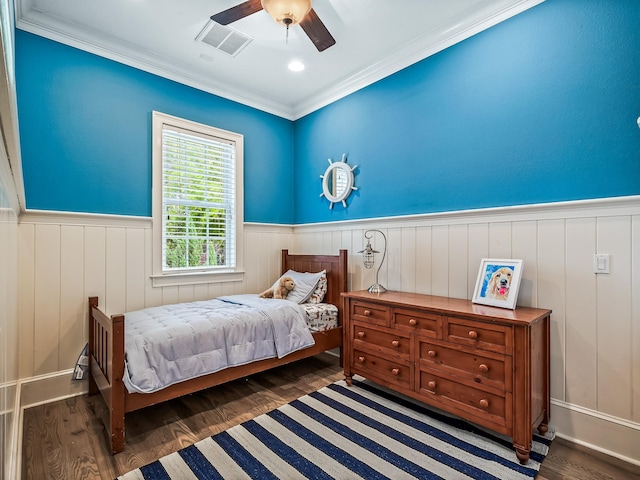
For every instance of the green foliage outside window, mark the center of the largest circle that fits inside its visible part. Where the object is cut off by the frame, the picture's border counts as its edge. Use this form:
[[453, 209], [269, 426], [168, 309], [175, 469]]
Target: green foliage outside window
[[195, 237], [195, 210]]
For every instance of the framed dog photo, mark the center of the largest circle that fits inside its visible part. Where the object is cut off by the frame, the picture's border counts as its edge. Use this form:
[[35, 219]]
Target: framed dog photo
[[498, 282]]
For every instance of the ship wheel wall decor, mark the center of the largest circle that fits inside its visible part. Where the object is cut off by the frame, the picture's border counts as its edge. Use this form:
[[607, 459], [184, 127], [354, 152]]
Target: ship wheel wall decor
[[337, 181]]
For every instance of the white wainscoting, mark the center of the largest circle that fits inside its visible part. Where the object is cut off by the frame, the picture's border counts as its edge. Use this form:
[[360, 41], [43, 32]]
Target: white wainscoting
[[8, 334], [595, 345], [65, 258], [595, 325]]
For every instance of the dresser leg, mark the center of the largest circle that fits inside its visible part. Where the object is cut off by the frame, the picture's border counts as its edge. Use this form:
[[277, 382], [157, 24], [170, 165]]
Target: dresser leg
[[543, 428], [347, 378], [522, 454]]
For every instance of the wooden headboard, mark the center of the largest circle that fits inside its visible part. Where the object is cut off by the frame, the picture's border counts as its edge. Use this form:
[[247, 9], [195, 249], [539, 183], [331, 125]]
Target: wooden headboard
[[335, 265]]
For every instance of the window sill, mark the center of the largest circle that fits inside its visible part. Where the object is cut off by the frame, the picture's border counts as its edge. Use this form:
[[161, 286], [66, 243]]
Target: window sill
[[195, 278]]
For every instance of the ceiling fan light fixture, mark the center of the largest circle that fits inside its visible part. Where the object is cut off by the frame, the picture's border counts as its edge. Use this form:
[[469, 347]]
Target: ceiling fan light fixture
[[287, 12]]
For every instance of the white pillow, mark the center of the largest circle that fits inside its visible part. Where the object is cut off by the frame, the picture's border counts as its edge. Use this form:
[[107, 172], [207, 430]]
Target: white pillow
[[305, 284]]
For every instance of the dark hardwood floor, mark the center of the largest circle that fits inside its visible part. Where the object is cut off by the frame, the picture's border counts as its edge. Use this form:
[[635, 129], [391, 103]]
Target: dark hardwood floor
[[66, 440]]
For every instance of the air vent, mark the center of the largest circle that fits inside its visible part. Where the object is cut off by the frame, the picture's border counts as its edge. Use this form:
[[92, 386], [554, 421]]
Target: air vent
[[223, 38]]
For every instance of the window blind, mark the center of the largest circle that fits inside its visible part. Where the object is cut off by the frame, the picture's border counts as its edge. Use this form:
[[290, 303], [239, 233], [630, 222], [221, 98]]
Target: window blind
[[198, 201]]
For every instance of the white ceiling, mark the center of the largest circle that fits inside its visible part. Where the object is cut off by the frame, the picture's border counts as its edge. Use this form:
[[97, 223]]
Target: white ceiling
[[374, 38]]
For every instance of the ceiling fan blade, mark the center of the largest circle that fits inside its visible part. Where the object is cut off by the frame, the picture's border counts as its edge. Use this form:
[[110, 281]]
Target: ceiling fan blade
[[241, 10], [316, 31]]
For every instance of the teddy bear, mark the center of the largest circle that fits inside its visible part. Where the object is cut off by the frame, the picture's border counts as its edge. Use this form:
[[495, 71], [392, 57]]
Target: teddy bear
[[285, 285]]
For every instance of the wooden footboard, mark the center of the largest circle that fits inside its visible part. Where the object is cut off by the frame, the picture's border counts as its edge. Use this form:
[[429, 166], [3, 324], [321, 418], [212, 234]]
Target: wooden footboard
[[107, 358], [106, 368]]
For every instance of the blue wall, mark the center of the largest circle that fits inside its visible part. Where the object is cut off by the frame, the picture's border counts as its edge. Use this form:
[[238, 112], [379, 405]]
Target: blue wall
[[85, 128], [540, 108]]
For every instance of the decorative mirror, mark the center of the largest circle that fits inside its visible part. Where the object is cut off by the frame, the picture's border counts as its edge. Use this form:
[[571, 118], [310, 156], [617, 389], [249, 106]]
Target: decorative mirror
[[337, 181]]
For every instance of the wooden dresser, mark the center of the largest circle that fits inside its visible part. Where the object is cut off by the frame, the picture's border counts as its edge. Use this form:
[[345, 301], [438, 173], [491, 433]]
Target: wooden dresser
[[485, 364]]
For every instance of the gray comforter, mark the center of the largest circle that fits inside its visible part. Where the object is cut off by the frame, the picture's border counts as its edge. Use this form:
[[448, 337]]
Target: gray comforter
[[171, 343]]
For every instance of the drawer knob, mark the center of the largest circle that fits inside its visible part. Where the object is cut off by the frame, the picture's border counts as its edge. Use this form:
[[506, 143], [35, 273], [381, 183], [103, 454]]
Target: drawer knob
[[413, 322], [431, 384], [432, 353], [367, 313], [473, 334], [484, 403], [361, 359], [361, 334], [395, 371], [483, 367], [395, 343]]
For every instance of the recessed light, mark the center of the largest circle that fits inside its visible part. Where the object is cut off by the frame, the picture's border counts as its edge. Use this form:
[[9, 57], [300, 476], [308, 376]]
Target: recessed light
[[296, 66]]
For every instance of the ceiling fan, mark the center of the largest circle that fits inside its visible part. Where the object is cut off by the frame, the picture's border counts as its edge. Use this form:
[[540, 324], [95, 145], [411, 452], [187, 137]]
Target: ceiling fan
[[285, 12]]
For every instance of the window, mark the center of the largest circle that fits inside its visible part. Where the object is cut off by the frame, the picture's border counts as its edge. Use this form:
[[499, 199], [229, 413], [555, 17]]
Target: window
[[197, 202]]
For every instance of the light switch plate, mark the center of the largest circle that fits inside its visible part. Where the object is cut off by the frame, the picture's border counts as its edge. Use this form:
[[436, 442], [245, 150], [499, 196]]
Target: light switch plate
[[601, 262]]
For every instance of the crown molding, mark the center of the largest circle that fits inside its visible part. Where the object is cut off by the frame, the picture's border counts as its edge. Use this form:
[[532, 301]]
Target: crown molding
[[31, 21], [429, 44], [145, 60]]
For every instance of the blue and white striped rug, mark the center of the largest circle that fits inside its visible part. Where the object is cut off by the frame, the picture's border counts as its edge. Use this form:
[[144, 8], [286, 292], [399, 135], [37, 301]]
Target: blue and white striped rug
[[342, 432]]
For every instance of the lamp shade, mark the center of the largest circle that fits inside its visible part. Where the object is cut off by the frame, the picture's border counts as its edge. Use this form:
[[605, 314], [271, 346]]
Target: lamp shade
[[368, 259], [287, 12], [368, 255]]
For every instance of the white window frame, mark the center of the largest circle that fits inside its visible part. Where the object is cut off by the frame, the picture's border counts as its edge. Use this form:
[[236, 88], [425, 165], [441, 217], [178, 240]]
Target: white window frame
[[204, 275]]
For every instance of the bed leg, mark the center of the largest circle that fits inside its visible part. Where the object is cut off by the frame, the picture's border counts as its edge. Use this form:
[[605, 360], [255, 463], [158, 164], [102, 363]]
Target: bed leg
[[117, 440], [117, 407], [93, 386], [116, 419], [116, 427]]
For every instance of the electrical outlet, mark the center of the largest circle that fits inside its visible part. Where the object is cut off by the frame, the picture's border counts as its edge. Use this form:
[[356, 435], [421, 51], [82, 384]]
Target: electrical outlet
[[601, 262]]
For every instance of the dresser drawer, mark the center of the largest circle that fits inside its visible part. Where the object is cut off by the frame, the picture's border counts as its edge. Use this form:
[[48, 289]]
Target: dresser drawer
[[486, 336], [474, 366], [370, 313], [460, 398], [427, 324], [383, 341], [373, 366]]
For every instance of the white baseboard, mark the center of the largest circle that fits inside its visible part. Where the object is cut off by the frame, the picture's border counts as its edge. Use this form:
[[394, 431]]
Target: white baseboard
[[33, 391], [7, 395], [10, 392], [50, 387], [603, 433]]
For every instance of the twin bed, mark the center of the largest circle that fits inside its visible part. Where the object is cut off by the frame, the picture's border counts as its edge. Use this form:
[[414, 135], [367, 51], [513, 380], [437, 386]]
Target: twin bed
[[149, 365]]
